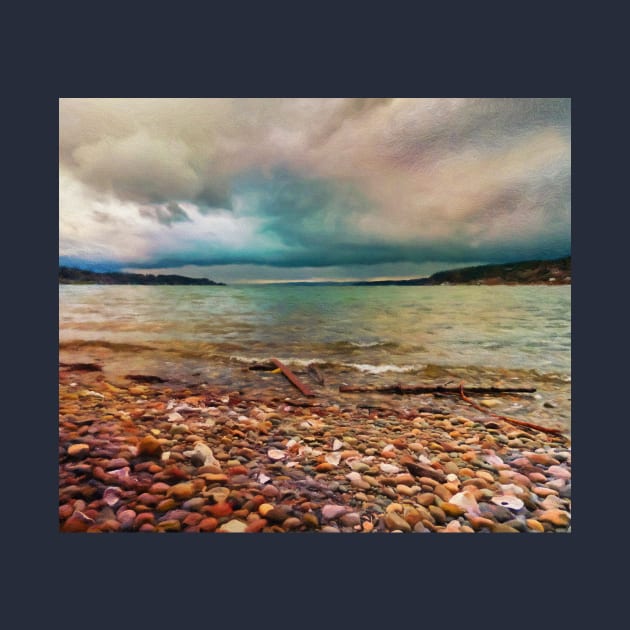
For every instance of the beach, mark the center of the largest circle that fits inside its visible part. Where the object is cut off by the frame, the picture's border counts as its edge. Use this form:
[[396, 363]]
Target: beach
[[141, 454]]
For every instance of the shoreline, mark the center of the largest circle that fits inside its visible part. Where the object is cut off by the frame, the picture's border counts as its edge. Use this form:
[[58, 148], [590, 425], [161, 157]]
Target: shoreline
[[176, 457]]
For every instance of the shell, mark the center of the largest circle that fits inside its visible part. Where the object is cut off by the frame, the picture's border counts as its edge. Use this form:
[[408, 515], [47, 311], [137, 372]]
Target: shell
[[337, 444], [389, 469], [262, 478], [466, 500], [505, 500], [333, 458], [111, 495], [274, 453]]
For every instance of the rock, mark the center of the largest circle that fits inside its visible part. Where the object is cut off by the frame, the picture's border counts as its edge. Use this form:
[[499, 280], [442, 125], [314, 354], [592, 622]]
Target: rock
[[450, 509], [330, 512], [194, 504], [495, 512], [542, 458], [208, 524], [181, 491], [502, 528], [559, 472], [256, 526], [166, 505], [406, 490], [535, 525], [142, 518], [426, 499], [292, 523], [76, 524], [438, 514], [278, 514], [171, 525], [149, 447], [219, 494], [233, 526], [219, 509], [310, 520], [78, 450], [394, 521], [552, 502], [479, 522], [350, 519], [442, 492], [558, 518]]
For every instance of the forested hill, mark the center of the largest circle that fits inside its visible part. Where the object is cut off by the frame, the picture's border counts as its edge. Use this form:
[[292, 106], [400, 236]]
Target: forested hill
[[71, 275], [556, 271]]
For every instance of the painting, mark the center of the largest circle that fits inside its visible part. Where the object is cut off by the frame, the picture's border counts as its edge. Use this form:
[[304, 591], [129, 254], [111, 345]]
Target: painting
[[314, 315]]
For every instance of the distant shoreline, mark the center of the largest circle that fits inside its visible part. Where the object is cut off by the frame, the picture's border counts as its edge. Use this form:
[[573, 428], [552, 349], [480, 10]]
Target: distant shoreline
[[72, 275]]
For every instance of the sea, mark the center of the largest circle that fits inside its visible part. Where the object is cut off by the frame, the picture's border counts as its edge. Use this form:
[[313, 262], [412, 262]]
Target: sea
[[510, 336]]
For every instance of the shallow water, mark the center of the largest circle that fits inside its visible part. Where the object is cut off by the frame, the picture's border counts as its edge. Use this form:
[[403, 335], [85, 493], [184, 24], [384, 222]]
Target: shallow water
[[518, 335]]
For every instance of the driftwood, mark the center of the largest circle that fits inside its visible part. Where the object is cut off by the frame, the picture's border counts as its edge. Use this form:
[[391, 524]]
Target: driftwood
[[431, 389], [519, 423], [305, 389]]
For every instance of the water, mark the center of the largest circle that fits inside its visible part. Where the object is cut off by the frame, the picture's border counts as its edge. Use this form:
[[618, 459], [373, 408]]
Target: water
[[481, 334]]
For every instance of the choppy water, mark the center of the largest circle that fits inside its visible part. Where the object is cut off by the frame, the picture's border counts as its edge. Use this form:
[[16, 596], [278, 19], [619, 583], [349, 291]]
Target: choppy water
[[358, 334]]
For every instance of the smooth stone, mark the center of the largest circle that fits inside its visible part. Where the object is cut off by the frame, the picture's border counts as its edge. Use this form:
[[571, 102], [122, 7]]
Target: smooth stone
[[479, 522], [495, 512], [194, 504], [552, 502], [517, 524], [219, 494], [502, 528], [278, 514], [292, 523], [438, 514], [256, 525], [219, 509], [310, 519], [193, 519], [350, 519], [166, 505], [556, 517], [394, 521], [78, 450], [406, 490], [208, 524], [149, 446], [420, 528], [169, 526], [451, 509], [426, 499], [535, 525], [330, 512], [233, 526], [181, 491]]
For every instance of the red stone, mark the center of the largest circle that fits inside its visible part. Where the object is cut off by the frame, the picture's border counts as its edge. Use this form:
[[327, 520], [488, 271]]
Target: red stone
[[237, 470], [220, 509], [194, 518], [141, 519], [256, 526], [208, 524]]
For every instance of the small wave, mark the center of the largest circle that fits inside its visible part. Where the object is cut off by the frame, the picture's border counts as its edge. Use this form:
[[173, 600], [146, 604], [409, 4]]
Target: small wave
[[380, 369], [111, 345]]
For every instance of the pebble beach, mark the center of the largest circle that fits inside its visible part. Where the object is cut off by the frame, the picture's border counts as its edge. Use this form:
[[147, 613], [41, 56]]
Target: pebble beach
[[141, 455]]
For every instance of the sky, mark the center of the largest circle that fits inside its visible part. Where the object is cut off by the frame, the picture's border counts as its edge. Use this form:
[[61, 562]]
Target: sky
[[252, 190]]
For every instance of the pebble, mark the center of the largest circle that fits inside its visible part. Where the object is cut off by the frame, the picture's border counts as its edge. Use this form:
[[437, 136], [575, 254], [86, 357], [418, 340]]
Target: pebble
[[233, 526], [330, 512], [394, 521], [259, 465], [559, 518], [78, 450]]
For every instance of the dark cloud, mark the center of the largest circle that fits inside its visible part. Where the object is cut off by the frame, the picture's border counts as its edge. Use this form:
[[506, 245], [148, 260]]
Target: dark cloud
[[314, 182]]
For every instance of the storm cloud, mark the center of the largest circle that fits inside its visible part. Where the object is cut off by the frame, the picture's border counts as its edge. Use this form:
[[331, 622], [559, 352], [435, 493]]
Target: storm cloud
[[313, 183]]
